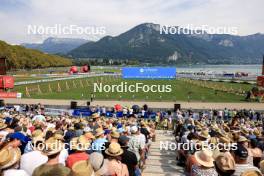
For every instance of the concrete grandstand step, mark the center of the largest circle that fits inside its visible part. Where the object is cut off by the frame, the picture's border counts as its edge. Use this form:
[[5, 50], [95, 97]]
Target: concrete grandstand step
[[176, 170], [162, 174], [167, 157], [162, 162]]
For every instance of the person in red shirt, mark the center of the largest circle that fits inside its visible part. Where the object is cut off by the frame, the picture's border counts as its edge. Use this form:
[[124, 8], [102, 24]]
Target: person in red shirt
[[79, 145]]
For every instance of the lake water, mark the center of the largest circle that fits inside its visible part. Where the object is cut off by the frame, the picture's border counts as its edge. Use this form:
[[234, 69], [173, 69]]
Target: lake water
[[251, 69]]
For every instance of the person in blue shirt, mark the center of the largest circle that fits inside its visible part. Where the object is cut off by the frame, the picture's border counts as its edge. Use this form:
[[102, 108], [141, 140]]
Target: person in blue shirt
[[99, 144]]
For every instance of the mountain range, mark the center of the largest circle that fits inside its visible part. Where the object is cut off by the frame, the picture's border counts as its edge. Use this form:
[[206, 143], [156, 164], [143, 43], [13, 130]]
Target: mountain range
[[56, 45], [146, 44]]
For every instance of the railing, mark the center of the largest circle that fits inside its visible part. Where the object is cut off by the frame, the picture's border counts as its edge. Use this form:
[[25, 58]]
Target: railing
[[66, 78]]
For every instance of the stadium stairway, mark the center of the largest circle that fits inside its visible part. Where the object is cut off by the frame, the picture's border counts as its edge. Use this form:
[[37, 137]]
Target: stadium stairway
[[162, 162]]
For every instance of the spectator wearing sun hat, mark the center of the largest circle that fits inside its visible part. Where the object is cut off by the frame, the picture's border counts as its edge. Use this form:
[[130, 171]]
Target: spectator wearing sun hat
[[225, 164], [9, 162], [82, 168], [52, 167], [116, 167], [112, 137], [205, 164], [99, 143]]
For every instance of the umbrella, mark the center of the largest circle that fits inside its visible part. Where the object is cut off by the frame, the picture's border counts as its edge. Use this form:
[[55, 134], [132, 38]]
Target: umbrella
[[118, 107]]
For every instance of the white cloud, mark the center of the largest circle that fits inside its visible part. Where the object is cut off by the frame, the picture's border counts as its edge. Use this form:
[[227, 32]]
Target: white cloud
[[120, 15]]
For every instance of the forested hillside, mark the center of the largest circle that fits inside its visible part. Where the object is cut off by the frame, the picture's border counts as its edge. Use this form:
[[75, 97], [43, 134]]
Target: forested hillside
[[19, 57]]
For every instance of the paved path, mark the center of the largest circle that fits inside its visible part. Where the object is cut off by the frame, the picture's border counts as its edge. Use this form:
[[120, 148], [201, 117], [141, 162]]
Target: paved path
[[161, 162], [186, 105]]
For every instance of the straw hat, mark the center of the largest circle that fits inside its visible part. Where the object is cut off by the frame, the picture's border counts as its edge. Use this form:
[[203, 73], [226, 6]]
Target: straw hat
[[58, 137], [99, 132], [115, 134], [89, 135], [113, 129], [53, 146], [114, 149], [2, 126], [226, 127], [53, 130], [257, 132], [95, 115], [242, 139], [204, 134], [204, 157], [225, 162], [261, 165], [251, 173], [37, 133], [214, 140], [80, 143], [82, 168], [224, 139], [9, 157], [244, 131]]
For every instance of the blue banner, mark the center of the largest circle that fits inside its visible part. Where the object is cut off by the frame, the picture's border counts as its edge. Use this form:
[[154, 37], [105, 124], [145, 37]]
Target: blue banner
[[82, 112], [149, 72]]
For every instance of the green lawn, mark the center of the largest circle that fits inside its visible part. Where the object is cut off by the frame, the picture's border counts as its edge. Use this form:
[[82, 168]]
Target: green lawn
[[181, 90]]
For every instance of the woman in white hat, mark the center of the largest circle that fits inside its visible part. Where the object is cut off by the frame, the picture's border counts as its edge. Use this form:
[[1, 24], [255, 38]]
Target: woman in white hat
[[116, 167], [205, 166]]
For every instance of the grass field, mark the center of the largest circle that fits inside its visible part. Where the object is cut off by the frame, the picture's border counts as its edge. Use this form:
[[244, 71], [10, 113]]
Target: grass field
[[181, 90]]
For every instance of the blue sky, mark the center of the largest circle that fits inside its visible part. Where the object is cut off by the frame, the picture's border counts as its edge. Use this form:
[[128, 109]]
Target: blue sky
[[117, 16]]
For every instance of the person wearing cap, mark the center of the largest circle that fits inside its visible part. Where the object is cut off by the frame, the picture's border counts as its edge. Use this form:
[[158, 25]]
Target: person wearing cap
[[14, 140], [242, 140], [205, 164], [136, 144], [129, 158], [113, 137], [116, 167], [53, 147], [99, 143], [241, 159]]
